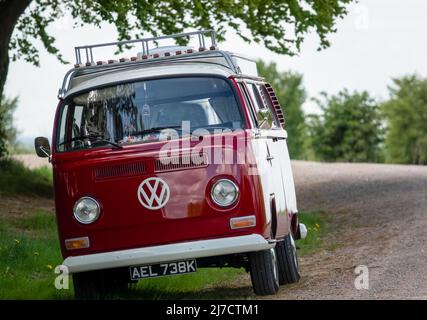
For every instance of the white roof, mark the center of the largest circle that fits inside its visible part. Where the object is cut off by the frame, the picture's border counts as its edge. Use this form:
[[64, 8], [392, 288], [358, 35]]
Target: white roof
[[86, 82]]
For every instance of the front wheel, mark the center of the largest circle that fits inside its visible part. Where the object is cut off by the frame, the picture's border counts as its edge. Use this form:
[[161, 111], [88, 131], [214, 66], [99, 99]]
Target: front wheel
[[264, 272], [287, 261]]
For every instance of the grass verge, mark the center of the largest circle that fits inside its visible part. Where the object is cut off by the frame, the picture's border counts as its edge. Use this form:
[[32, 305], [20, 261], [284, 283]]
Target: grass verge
[[15, 178], [29, 252], [317, 223]]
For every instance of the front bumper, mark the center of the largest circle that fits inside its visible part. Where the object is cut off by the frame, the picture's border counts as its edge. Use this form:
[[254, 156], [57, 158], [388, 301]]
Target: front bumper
[[168, 252]]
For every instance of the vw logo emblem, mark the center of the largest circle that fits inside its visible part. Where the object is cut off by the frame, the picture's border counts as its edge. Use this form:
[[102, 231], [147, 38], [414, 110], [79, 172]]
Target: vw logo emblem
[[153, 193]]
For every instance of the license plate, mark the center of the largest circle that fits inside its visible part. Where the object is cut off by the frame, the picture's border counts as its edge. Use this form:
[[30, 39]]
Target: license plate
[[162, 269]]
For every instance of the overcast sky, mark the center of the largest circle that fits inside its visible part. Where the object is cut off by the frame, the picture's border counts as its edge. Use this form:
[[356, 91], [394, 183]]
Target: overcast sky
[[376, 41]]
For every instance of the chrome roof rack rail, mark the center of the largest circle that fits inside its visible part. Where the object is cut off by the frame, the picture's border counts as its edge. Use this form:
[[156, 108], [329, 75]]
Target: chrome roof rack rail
[[87, 51], [190, 55], [74, 72]]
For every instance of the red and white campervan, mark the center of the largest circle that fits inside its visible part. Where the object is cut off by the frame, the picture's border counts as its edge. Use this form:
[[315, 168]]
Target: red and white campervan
[[172, 160]]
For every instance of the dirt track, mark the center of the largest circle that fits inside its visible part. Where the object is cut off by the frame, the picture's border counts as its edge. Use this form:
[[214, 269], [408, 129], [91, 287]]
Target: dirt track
[[379, 218]]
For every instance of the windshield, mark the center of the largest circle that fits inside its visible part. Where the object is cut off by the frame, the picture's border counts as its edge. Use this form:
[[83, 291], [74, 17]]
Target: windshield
[[140, 111]]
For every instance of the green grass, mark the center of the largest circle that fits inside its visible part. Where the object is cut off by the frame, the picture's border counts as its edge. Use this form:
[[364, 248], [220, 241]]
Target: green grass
[[29, 251], [17, 179], [317, 227], [38, 221]]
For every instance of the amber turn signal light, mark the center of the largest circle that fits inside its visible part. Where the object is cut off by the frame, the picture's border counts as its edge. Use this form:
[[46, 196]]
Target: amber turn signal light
[[77, 243], [242, 222]]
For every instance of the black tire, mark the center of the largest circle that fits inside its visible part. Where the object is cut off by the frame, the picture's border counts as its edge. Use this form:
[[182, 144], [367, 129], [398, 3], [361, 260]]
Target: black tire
[[264, 272], [287, 261], [94, 285]]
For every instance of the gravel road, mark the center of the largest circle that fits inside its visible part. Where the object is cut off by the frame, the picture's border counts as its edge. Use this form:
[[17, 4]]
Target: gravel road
[[379, 219]]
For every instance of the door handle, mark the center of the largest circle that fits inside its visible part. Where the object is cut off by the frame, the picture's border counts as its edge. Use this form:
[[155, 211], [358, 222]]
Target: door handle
[[257, 134], [275, 139], [269, 158]]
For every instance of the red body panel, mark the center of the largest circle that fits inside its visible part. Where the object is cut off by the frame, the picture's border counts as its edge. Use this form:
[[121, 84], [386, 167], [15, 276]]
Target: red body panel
[[124, 223], [189, 215]]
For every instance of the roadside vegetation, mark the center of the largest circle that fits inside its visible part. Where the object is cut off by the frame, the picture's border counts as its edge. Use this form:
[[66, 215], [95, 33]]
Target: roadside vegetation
[[15, 178], [317, 223], [8, 132], [352, 126]]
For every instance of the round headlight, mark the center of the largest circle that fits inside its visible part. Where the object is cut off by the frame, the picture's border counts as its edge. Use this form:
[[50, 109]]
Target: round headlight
[[224, 192], [86, 210]]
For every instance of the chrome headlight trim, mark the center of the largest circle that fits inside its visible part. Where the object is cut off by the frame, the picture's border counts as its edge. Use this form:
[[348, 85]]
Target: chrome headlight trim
[[78, 216], [214, 197]]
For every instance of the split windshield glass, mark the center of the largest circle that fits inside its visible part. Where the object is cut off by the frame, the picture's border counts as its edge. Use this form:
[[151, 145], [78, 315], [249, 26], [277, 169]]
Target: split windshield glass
[[143, 111]]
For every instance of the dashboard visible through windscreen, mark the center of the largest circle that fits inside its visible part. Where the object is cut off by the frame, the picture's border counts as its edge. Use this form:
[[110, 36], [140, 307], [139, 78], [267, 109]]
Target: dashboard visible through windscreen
[[136, 112]]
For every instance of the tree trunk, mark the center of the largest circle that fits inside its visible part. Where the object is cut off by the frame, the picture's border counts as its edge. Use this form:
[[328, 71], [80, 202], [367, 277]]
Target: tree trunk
[[10, 11]]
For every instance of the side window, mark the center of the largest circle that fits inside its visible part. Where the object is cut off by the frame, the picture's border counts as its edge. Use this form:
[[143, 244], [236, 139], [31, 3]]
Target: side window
[[72, 126], [265, 97], [263, 108], [248, 104], [77, 121], [62, 128]]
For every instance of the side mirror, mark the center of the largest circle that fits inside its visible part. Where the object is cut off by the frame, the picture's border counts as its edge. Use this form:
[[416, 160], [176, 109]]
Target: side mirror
[[42, 146]]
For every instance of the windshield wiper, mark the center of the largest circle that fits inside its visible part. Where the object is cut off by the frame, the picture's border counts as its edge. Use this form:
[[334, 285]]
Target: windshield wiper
[[215, 127], [191, 133], [114, 144], [154, 129], [88, 137]]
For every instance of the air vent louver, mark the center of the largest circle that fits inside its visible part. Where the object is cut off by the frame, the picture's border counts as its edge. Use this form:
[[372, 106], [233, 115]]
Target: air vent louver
[[181, 162], [122, 170]]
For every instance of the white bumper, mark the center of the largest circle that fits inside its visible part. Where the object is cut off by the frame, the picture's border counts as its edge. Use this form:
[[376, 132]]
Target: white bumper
[[165, 253]]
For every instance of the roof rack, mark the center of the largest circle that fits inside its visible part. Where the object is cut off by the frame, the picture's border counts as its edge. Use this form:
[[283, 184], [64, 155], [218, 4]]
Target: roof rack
[[88, 50], [229, 60]]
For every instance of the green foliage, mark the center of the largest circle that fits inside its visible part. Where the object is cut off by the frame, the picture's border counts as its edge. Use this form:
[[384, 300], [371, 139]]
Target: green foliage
[[350, 128], [406, 113], [15, 178], [290, 91], [317, 223], [280, 25], [8, 132], [20, 148]]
